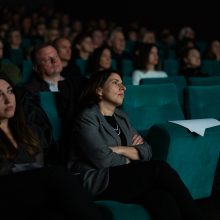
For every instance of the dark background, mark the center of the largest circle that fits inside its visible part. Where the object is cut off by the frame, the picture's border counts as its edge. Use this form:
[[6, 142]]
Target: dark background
[[203, 16]]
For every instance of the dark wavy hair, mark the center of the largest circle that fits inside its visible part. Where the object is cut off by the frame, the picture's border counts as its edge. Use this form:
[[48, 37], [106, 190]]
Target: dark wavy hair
[[24, 135], [93, 65], [89, 95], [143, 53]]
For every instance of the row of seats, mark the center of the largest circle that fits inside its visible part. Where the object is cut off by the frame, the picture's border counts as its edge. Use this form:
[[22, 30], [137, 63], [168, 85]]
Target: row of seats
[[170, 66], [127, 66], [149, 108], [212, 67], [179, 81]]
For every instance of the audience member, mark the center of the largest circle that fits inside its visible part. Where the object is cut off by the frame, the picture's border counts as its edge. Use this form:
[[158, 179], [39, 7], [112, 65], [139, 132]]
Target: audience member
[[48, 67], [100, 59], [114, 160], [64, 50], [97, 36], [117, 44], [213, 51], [190, 63], [31, 188], [186, 32], [183, 45], [147, 62], [13, 50], [83, 46]]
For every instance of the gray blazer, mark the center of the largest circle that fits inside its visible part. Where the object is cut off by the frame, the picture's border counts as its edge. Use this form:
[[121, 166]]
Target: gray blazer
[[91, 155]]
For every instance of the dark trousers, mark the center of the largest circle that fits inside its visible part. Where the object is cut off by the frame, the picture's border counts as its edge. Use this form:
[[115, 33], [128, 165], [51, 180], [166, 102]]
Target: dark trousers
[[51, 193], [156, 186]]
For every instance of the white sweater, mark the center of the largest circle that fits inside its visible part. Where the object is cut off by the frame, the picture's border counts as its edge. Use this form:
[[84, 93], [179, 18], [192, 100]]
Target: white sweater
[[139, 74]]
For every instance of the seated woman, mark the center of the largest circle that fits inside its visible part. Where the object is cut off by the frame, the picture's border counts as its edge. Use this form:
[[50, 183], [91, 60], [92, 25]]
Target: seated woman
[[147, 62], [114, 160], [190, 63], [213, 51], [31, 188], [100, 59]]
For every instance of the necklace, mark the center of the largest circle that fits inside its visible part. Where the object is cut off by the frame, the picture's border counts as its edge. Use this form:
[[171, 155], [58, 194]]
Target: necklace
[[111, 120], [117, 130]]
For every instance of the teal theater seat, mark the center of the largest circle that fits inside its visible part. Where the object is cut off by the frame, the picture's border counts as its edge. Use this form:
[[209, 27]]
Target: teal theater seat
[[48, 103], [194, 157], [212, 67], [114, 64], [26, 71], [202, 45], [171, 67], [129, 46], [147, 105], [25, 43], [122, 211], [127, 80], [178, 81], [82, 65], [127, 67], [204, 81], [16, 56], [203, 102]]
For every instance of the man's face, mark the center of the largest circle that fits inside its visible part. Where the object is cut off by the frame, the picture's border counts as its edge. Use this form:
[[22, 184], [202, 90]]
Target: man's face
[[48, 62]]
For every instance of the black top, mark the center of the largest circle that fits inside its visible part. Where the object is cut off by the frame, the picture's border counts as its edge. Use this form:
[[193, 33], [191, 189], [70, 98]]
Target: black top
[[111, 120]]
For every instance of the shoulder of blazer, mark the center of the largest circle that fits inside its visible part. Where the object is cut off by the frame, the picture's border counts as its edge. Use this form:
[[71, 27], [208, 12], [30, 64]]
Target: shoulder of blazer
[[91, 112]]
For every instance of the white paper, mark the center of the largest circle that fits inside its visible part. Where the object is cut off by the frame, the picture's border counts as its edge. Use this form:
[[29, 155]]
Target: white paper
[[198, 125]]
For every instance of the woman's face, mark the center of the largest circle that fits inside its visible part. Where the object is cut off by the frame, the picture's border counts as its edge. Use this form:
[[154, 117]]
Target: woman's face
[[215, 47], [105, 59], [7, 101], [113, 90], [193, 59], [87, 45], [153, 57]]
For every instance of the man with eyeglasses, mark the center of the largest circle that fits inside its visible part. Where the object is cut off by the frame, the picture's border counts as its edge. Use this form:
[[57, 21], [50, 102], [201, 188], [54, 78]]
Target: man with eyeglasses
[[47, 76]]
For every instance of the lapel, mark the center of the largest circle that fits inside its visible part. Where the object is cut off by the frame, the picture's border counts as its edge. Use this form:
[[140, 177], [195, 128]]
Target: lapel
[[107, 127]]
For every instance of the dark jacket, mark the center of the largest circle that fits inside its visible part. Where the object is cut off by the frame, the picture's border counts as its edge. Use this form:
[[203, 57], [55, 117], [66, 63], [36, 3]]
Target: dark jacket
[[92, 156]]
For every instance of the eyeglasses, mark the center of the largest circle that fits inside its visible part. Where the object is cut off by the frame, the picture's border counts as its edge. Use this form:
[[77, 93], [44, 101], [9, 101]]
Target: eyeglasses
[[50, 60]]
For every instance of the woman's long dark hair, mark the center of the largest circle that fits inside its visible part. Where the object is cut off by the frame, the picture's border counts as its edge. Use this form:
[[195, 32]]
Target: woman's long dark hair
[[98, 79], [143, 53], [93, 65], [22, 133]]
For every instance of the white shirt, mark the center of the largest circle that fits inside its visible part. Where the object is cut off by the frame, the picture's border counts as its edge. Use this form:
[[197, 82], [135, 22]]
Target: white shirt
[[53, 87], [139, 74]]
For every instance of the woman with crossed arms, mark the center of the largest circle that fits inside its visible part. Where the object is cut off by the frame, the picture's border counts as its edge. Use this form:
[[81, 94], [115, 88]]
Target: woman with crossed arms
[[114, 161]]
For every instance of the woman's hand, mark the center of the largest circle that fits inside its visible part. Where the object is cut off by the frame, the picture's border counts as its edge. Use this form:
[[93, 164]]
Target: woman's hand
[[137, 140]]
